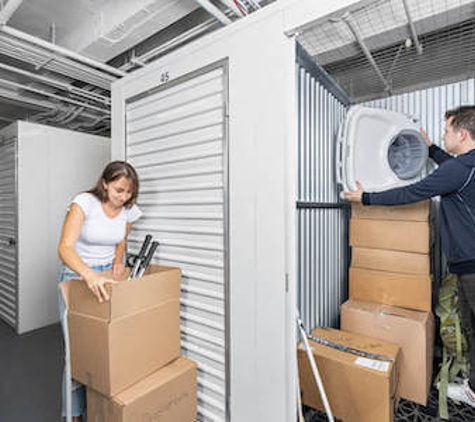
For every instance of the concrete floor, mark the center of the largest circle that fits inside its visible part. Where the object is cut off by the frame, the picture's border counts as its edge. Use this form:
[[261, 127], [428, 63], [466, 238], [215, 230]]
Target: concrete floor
[[31, 368]]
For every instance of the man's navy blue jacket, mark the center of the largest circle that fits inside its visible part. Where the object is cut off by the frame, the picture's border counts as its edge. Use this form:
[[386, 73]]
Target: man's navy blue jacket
[[454, 181]]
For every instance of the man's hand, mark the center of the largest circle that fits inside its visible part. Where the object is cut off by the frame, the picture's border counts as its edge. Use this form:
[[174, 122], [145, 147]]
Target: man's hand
[[356, 195], [425, 136]]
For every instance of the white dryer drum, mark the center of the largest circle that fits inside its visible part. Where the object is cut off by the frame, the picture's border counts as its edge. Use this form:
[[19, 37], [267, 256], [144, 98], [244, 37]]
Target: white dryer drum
[[381, 149]]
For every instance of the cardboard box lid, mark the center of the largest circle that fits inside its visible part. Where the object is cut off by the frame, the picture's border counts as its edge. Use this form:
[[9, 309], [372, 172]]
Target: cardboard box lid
[[410, 315], [159, 284], [418, 211], [156, 380], [355, 341]]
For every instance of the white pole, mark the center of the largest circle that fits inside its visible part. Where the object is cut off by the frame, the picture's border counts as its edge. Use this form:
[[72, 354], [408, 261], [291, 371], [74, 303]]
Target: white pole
[[316, 374]]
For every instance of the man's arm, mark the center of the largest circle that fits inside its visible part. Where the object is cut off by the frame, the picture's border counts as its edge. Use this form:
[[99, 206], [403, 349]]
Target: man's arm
[[445, 179], [438, 154]]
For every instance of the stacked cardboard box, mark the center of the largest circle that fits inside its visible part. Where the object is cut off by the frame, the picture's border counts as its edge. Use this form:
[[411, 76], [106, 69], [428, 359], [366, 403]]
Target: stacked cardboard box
[[358, 388], [390, 287], [127, 350]]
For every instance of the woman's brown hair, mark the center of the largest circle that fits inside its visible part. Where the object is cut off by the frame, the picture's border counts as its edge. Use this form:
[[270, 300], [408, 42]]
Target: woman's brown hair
[[114, 171]]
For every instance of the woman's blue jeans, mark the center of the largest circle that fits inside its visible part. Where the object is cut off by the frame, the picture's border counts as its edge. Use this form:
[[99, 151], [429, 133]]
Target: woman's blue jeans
[[79, 392]]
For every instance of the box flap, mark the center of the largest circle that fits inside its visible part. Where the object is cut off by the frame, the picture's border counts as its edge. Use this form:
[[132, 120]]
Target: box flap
[[159, 283], [155, 380]]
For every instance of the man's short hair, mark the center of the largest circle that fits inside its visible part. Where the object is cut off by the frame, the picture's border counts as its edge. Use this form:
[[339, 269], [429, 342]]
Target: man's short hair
[[463, 118]]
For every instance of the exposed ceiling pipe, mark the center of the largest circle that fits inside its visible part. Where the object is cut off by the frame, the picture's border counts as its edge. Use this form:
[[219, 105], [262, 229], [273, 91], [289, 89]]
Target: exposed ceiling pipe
[[233, 7], [415, 38], [347, 18], [51, 95], [8, 10], [57, 84], [213, 10], [60, 50]]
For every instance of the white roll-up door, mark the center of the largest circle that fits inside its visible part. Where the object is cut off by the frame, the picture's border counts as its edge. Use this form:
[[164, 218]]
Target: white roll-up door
[[177, 141], [8, 233]]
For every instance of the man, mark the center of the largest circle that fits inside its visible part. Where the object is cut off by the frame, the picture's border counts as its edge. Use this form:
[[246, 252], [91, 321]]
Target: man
[[454, 181]]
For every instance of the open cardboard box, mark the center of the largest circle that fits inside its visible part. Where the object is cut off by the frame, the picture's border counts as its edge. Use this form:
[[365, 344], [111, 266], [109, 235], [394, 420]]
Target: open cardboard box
[[117, 343]]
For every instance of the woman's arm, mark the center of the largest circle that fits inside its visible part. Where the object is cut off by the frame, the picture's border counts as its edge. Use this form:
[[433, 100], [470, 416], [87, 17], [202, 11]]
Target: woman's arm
[[118, 266], [67, 252]]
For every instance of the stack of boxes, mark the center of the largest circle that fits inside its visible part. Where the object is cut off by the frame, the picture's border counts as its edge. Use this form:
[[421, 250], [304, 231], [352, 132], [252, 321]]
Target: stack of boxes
[[390, 288], [127, 351], [385, 347]]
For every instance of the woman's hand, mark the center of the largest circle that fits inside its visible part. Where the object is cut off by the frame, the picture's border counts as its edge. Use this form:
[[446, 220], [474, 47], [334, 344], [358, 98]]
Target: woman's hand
[[97, 284], [118, 269], [356, 195]]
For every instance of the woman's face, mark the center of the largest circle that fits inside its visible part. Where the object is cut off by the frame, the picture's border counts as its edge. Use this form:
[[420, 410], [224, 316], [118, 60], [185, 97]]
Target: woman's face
[[118, 191]]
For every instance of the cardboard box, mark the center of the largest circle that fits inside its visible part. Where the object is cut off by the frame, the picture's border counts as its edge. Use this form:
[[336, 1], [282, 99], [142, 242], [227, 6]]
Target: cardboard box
[[396, 289], [412, 330], [418, 211], [408, 236], [392, 261], [358, 389], [117, 343], [167, 395]]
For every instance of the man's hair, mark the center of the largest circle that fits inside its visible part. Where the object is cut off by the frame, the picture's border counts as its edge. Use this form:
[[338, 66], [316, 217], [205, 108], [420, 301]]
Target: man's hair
[[463, 117]]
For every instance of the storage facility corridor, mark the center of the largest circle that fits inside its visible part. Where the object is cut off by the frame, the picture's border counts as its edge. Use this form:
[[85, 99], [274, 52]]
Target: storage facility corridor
[[201, 153]]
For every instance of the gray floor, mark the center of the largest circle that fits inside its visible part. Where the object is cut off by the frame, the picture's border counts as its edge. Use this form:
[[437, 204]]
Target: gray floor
[[31, 367]]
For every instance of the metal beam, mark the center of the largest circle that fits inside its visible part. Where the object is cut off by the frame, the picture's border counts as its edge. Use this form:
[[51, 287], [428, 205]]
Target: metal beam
[[213, 10], [8, 10], [412, 28], [347, 18]]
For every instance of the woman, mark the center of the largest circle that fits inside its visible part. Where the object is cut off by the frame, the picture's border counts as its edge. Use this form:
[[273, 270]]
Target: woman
[[93, 240]]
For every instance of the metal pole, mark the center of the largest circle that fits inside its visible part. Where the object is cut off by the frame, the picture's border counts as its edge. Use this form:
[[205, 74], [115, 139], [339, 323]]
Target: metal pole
[[355, 31], [412, 28]]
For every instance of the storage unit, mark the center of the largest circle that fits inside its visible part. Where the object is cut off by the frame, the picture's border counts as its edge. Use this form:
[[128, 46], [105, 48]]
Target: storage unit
[[240, 190], [42, 169]]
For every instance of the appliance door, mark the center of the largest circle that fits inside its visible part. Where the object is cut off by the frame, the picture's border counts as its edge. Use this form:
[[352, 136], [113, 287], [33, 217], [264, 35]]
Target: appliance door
[[381, 149]]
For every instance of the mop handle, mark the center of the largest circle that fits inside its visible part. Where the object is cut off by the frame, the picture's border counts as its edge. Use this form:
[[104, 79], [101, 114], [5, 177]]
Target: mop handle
[[316, 374]]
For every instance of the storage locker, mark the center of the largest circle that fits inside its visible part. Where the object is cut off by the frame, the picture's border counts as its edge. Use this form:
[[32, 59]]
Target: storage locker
[[42, 169]]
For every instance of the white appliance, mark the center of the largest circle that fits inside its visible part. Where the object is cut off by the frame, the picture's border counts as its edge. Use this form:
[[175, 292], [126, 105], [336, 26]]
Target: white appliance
[[41, 169], [381, 149]]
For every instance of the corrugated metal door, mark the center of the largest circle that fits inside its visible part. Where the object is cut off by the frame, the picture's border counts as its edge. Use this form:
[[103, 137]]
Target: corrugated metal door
[[8, 233], [177, 141], [322, 218]]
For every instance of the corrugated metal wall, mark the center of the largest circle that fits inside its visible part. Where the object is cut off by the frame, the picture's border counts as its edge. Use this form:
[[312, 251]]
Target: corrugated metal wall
[[322, 220], [177, 141], [8, 233]]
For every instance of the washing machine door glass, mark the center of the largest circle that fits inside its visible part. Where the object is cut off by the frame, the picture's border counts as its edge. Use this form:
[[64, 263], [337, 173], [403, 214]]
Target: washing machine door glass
[[407, 154]]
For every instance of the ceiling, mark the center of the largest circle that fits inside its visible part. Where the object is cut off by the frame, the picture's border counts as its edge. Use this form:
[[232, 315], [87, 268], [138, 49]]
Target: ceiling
[[382, 47], [54, 53]]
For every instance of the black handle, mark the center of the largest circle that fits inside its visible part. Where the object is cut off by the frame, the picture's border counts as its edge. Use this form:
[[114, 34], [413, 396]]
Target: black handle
[[149, 256], [144, 247]]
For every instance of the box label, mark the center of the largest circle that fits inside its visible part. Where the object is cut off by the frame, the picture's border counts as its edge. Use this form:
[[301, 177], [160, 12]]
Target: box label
[[373, 364]]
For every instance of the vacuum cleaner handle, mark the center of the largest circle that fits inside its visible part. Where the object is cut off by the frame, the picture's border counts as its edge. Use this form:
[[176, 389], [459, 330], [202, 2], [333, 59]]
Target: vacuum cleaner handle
[[147, 259]]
